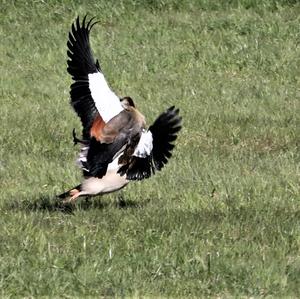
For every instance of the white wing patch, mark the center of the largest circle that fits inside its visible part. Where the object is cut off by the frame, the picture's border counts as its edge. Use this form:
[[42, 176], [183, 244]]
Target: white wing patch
[[106, 101], [145, 145]]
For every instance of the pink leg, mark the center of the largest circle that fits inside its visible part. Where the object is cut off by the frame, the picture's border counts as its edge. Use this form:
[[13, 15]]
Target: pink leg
[[74, 193]]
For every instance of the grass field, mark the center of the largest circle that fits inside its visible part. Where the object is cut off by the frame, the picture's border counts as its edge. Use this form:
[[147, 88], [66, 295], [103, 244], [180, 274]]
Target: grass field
[[222, 219]]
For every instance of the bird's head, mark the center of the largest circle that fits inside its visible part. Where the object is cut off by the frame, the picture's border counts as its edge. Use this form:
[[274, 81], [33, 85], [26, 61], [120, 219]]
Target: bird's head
[[127, 102]]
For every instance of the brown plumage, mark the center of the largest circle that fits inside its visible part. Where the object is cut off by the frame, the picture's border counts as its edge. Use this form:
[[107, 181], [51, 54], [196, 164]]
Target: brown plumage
[[97, 127]]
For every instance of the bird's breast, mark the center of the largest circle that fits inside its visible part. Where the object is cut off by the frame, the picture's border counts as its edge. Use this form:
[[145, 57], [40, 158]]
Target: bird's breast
[[111, 182]]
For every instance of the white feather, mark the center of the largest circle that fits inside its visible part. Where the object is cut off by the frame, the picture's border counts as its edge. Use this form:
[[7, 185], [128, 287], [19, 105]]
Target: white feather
[[82, 157], [106, 101], [114, 165], [145, 145]]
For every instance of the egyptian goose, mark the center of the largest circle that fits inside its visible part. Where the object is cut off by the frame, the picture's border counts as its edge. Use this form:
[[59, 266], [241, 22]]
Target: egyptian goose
[[116, 147]]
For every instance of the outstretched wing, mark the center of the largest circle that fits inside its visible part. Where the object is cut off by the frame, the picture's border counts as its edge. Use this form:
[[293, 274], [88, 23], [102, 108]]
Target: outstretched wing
[[91, 96], [155, 146]]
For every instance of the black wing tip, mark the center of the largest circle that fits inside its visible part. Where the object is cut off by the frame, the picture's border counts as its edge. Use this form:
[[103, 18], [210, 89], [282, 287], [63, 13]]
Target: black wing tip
[[80, 29], [173, 110], [77, 25], [170, 119], [80, 61], [165, 131]]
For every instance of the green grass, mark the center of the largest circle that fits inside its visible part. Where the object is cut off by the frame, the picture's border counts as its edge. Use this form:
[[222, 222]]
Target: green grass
[[222, 219]]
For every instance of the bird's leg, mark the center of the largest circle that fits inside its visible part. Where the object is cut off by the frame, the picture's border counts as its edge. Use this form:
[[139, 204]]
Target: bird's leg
[[74, 193], [77, 140]]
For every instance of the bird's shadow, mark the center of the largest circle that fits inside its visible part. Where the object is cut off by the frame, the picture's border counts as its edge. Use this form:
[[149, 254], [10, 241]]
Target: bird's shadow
[[53, 204]]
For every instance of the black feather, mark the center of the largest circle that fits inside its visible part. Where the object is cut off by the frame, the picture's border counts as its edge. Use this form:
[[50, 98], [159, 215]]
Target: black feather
[[138, 168], [164, 131], [97, 158], [81, 63]]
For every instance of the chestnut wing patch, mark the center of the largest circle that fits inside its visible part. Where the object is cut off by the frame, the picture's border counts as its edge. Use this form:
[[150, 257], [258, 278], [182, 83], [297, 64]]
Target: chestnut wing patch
[[97, 127]]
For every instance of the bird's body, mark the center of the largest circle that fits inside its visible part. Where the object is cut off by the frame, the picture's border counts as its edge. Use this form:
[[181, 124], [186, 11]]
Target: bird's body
[[110, 182], [116, 146]]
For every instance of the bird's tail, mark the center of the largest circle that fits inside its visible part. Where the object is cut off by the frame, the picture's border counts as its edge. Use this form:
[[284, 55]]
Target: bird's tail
[[67, 193]]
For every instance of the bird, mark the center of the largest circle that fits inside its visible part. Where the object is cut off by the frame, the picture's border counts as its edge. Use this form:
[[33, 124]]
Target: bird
[[116, 146]]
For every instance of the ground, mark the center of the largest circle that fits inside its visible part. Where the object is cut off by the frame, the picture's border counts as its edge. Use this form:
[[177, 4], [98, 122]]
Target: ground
[[222, 219]]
